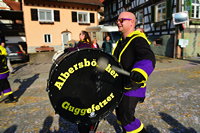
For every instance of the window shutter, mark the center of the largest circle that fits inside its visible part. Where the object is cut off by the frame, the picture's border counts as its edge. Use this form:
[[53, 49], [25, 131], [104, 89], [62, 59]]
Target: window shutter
[[56, 15], [92, 20], [152, 13], [74, 16], [34, 15], [169, 9]]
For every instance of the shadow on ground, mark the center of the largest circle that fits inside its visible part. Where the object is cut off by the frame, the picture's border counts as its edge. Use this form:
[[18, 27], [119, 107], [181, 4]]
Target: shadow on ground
[[11, 129], [24, 84], [19, 67], [69, 127]]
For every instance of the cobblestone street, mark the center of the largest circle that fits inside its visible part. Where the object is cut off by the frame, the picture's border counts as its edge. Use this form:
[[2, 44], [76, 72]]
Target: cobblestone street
[[172, 104]]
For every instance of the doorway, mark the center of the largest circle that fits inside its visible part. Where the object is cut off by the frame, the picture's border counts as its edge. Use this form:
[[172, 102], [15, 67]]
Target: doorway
[[66, 36]]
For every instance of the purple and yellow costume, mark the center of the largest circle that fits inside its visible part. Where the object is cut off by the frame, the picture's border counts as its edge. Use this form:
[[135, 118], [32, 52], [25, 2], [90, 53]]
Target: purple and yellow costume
[[81, 44], [134, 54], [4, 73]]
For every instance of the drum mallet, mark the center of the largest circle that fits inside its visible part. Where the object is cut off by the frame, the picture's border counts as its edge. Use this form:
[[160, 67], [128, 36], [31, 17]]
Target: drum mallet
[[102, 63]]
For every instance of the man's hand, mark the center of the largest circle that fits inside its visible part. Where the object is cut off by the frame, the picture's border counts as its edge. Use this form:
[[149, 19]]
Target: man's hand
[[136, 77], [137, 80]]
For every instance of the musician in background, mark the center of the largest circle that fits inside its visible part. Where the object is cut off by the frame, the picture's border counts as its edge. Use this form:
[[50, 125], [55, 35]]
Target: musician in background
[[134, 54], [5, 89], [84, 42]]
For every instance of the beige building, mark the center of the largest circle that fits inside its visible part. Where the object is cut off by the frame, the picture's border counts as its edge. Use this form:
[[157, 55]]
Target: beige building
[[55, 22]]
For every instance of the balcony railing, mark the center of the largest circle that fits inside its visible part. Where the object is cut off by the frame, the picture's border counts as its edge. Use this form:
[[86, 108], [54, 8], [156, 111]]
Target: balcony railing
[[12, 29]]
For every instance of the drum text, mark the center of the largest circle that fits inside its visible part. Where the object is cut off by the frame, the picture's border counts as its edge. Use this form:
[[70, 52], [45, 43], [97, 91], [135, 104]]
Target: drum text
[[78, 111], [85, 63]]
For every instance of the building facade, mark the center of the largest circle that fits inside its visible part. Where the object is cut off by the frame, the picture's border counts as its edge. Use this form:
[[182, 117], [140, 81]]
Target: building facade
[[55, 22], [155, 16]]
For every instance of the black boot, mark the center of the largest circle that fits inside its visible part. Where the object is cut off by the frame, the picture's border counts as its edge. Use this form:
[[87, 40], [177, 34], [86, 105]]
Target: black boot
[[83, 128], [143, 131], [11, 99], [87, 128], [123, 130]]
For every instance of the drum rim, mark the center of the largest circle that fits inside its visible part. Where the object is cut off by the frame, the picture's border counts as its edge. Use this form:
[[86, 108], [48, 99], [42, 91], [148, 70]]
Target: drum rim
[[59, 61]]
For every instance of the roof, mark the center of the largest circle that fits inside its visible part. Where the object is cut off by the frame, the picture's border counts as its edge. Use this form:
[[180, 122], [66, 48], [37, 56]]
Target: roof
[[90, 2], [84, 2], [13, 5]]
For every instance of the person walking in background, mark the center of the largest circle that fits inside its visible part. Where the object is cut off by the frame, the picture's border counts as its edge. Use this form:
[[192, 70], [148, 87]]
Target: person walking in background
[[107, 45], [134, 54], [8, 60], [5, 89], [95, 44], [21, 48]]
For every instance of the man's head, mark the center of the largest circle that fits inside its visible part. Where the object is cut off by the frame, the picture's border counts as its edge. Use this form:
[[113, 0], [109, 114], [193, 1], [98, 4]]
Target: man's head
[[126, 22], [2, 44]]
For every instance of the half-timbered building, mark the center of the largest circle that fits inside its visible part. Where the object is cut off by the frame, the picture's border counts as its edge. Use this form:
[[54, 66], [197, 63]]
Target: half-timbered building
[[155, 16]]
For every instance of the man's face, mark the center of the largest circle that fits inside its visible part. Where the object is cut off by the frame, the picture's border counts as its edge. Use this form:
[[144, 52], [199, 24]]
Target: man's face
[[3, 44], [124, 22]]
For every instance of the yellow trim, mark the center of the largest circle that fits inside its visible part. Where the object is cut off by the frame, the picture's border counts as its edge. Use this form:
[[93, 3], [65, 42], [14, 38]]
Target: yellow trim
[[144, 82], [142, 72], [127, 88], [137, 130], [3, 51], [140, 34], [125, 48], [4, 72], [137, 34], [134, 33], [119, 122], [114, 48], [8, 93]]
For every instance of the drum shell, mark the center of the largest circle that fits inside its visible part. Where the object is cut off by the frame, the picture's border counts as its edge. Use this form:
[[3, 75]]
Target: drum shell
[[84, 94]]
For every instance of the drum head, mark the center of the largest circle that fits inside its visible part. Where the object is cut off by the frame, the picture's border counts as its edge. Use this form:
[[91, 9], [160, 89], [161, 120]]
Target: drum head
[[78, 91]]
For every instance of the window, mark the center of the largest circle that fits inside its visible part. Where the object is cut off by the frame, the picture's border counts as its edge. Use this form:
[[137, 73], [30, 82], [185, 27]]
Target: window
[[140, 17], [195, 9], [47, 38], [160, 10], [83, 17], [114, 6], [127, 1], [45, 15], [120, 3]]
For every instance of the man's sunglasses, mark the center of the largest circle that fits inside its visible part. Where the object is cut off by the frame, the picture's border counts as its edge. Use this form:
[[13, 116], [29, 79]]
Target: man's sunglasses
[[121, 20]]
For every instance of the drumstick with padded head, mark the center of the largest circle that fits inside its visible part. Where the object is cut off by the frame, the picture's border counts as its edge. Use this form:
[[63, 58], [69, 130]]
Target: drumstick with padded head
[[103, 63]]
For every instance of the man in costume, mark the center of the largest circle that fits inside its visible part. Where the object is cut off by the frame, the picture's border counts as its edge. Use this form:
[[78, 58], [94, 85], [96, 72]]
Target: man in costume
[[5, 89], [134, 54]]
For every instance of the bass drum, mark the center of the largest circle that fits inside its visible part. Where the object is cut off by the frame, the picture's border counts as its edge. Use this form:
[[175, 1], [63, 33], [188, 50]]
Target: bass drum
[[78, 91]]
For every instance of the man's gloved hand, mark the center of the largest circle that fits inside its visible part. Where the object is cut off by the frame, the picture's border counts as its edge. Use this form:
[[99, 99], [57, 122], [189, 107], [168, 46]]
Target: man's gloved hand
[[136, 76], [136, 81]]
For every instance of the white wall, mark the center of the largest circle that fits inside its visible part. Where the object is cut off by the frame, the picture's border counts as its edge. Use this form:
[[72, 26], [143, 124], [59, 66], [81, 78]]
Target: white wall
[[15, 39]]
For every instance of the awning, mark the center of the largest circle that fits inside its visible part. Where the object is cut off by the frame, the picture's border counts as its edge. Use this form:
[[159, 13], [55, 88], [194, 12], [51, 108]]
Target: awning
[[11, 15]]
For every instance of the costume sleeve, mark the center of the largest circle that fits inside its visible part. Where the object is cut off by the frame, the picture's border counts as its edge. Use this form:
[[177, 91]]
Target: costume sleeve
[[145, 58], [3, 51]]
